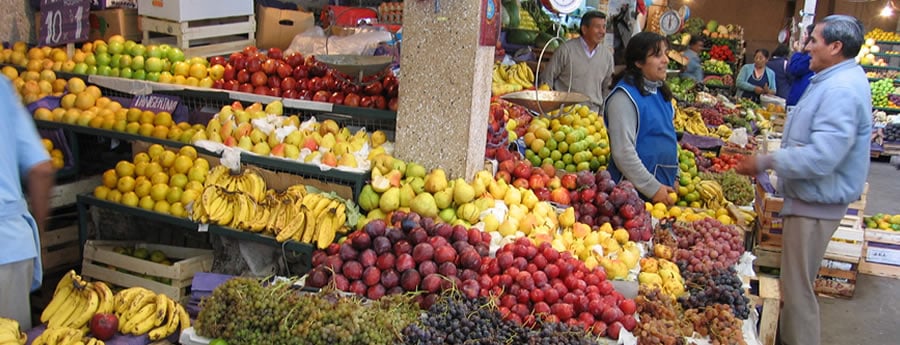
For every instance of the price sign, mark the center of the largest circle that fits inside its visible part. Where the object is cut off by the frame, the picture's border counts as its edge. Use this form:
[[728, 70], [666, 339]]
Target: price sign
[[64, 21]]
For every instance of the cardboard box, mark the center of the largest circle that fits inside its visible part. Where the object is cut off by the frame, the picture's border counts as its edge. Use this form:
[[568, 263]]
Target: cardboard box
[[187, 10], [119, 21], [277, 28], [108, 4]]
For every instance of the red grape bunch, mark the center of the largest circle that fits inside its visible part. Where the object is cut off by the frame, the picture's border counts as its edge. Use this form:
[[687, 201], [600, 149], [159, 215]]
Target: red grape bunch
[[707, 245]]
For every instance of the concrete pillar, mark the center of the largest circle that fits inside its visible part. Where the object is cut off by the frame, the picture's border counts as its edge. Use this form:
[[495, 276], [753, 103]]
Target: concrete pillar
[[446, 87]]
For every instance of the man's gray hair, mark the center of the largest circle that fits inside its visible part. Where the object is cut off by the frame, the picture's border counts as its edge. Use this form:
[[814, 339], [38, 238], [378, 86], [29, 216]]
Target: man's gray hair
[[846, 29]]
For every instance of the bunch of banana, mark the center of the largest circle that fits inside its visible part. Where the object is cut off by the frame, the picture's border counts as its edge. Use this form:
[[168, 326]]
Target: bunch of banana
[[65, 336], [314, 218], [141, 311], [10, 334], [711, 193], [248, 182], [526, 21], [511, 78], [694, 122], [723, 132], [75, 301]]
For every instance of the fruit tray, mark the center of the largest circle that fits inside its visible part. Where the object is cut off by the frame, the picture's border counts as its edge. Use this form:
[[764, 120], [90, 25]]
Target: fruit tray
[[102, 262], [541, 101], [357, 65]]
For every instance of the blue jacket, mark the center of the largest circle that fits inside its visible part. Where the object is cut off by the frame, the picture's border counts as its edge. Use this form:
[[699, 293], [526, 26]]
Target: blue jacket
[[823, 162], [744, 86], [782, 78], [798, 70]]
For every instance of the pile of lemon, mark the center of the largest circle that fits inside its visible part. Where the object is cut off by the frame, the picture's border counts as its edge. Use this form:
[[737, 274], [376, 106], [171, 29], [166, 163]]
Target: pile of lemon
[[688, 214]]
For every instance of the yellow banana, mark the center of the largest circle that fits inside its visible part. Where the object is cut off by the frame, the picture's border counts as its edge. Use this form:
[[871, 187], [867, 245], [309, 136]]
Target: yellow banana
[[72, 307], [146, 312], [502, 71], [340, 217], [310, 228], [162, 307], [323, 204], [125, 297], [292, 229], [60, 297], [184, 318], [171, 322], [106, 296], [90, 308], [326, 228], [299, 190], [215, 175], [174, 319], [144, 298]]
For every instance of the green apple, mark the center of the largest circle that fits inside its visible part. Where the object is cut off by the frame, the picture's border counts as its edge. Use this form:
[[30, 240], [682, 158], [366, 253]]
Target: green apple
[[115, 60], [93, 69], [137, 63], [104, 70], [90, 59], [125, 61], [153, 64], [138, 50], [129, 44], [175, 54], [103, 59], [114, 72], [115, 48], [154, 51], [139, 74], [153, 76], [126, 72], [80, 68]]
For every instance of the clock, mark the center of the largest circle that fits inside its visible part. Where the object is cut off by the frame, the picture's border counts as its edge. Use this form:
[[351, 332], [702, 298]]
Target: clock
[[669, 22]]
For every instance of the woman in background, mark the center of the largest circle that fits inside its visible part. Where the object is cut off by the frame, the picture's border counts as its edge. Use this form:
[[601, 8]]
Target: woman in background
[[756, 79], [798, 67], [779, 64]]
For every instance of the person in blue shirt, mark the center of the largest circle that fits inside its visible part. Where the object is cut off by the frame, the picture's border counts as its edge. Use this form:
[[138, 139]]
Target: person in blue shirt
[[821, 167], [756, 79], [640, 111], [693, 69], [798, 68], [778, 64], [24, 161]]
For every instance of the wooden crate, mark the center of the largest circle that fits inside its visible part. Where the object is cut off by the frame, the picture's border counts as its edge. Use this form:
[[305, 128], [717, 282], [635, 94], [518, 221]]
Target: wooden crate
[[880, 251], [831, 281], [102, 263], [770, 223], [769, 300], [60, 247], [208, 37], [64, 194]]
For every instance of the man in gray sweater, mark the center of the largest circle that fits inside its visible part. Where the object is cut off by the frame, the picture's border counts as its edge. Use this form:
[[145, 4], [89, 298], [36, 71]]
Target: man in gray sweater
[[583, 64]]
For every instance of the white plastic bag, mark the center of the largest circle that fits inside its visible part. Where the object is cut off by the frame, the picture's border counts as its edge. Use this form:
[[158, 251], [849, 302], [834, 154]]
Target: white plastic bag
[[314, 42], [739, 137]]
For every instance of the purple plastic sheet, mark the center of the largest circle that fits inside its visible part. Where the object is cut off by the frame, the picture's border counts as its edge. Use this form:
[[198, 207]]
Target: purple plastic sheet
[[60, 142], [701, 142], [118, 339], [202, 286]]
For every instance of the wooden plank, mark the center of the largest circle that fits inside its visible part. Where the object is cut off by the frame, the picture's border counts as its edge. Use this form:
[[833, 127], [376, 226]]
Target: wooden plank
[[117, 278], [59, 236], [191, 260], [60, 257], [878, 235], [63, 195], [768, 321], [880, 270]]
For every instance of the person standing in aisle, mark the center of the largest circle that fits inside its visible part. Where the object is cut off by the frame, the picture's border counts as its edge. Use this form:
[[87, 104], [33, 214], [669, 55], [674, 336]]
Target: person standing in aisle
[[640, 111], [756, 79], [778, 64], [25, 160], [798, 68], [693, 69], [821, 167], [583, 64]]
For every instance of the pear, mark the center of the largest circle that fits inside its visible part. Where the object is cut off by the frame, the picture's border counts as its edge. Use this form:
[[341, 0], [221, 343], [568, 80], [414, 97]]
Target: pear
[[479, 187], [348, 160], [415, 170], [399, 165], [436, 181], [513, 196], [417, 183], [390, 200], [275, 108], [468, 212], [295, 138], [368, 198], [529, 199], [490, 223], [245, 143], [448, 215], [462, 192], [443, 199], [424, 204], [261, 149], [406, 195]]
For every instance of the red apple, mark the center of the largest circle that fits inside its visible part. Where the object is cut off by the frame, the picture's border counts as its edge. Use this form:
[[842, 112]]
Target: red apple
[[243, 76], [365, 102], [294, 59], [254, 65], [258, 78], [246, 87], [250, 50], [379, 102], [336, 98], [569, 181], [237, 58], [300, 72], [289, 83], [261, 90], [229, 72], [374, 89], [393, 104], [218, 84], [276, 53], [268, 66], [275, 91], [273, 81], [351, 100], [302, 84], [217, 60], [283, 69], [329, 83], [103, 326], [232, 85], [321, 96], [304, 94], [560, 196], [290, 93], [315, 84]]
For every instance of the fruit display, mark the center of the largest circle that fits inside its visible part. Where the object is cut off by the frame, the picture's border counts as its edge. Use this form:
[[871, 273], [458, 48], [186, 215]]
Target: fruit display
[[892, 132], [33, 85], [736, 188], [65, 336], [75, 302], [242, 201], [660, 273], [511, 78], [249, 311], [575, 141], [57, 159], [725, 162], [599, 200], [302, 77], [883, 221], [714, 66], [706, 245], [664, 321], [265, 131], [878, 34], [720, 286], [690, 120], [140, 311], [882, 74], [681, 88], [506, 123], [721, 53], [618, 257], [10, 334], [162, 180], [456, 320], [880, 91]]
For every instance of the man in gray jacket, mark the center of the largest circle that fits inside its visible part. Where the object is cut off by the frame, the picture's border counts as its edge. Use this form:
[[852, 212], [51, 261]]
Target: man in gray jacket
[[822, 167]]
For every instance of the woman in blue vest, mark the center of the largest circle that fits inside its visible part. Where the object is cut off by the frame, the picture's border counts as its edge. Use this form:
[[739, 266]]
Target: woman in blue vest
[[638, 118]]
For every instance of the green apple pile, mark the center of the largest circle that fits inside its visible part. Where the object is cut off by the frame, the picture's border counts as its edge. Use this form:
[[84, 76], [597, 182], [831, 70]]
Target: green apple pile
[[267, 132], [688, 179], [880, 91], [576, 141]]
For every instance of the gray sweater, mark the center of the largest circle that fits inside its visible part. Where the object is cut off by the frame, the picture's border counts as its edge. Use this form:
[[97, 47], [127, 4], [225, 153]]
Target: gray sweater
[[589, 75], [622, 131]]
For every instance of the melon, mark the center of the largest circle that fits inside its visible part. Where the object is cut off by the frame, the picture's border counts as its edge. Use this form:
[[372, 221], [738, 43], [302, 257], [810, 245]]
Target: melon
[[712, 25]]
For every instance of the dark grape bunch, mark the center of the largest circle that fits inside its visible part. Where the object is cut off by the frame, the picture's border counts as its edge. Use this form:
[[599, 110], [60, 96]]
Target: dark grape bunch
[[707, 245], [718, 323], [721, 286], [454, 319], [248, 311]]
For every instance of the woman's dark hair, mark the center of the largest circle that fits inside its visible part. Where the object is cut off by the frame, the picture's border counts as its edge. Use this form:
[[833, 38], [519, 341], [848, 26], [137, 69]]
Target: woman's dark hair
[[781, 51], [762, 51], [588, 17], [639, 48], [694, 40]]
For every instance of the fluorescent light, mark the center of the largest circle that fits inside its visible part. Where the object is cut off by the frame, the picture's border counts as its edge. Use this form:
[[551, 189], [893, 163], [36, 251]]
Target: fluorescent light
[[887, 11]]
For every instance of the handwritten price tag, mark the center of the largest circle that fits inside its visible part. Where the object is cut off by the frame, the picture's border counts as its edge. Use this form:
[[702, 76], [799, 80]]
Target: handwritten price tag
[[64, 21]]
